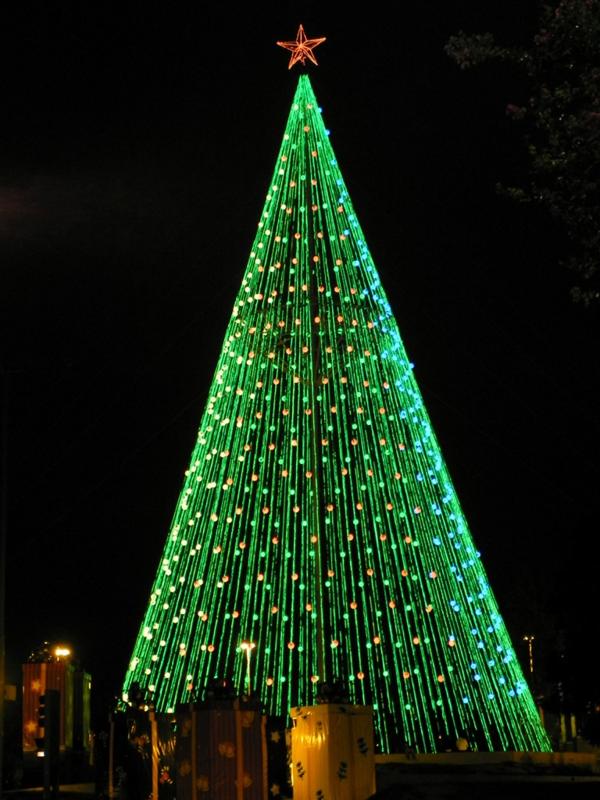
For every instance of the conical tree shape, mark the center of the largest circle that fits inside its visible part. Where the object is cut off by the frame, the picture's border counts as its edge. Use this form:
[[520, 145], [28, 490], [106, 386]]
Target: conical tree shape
[[317, 517]]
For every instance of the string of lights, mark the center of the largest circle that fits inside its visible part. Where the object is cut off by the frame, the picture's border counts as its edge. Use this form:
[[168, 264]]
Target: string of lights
[[317, 519]]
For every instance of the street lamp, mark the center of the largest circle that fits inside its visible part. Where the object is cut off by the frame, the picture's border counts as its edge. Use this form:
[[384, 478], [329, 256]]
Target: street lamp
[[530, 640], [248, 647]]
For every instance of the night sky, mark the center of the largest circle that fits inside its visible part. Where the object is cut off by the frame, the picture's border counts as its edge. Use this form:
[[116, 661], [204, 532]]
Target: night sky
[[137, 142]]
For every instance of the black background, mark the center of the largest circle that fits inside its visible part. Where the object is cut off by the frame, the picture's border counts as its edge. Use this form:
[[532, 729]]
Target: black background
[[136, 146]]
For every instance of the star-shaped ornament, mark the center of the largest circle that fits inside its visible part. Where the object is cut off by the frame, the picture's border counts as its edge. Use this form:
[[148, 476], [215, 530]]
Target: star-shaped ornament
[[302, 48]]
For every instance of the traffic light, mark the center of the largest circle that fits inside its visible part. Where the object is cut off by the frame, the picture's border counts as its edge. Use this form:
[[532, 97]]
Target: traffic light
[[42, 711], [48, 743]]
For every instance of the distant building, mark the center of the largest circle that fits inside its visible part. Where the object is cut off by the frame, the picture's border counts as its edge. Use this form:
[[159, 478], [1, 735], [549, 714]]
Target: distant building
[[53, 668]]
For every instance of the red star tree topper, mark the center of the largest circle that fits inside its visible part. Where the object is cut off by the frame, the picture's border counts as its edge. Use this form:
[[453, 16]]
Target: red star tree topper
[[302, 48]]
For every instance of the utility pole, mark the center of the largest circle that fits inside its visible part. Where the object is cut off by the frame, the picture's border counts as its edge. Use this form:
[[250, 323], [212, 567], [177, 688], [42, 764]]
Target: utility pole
[[3, 531]]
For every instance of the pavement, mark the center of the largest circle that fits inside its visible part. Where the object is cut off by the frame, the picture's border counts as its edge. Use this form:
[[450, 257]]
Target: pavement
[[450, 786], [440, 786], [73, 791]]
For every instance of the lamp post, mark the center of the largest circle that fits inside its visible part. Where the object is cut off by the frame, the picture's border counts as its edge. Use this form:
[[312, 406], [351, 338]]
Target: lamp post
[[4, 375], [530, 639], [248, 647]]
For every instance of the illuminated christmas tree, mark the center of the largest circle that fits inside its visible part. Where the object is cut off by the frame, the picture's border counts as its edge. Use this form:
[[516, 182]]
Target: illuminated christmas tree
[[317, 519]]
